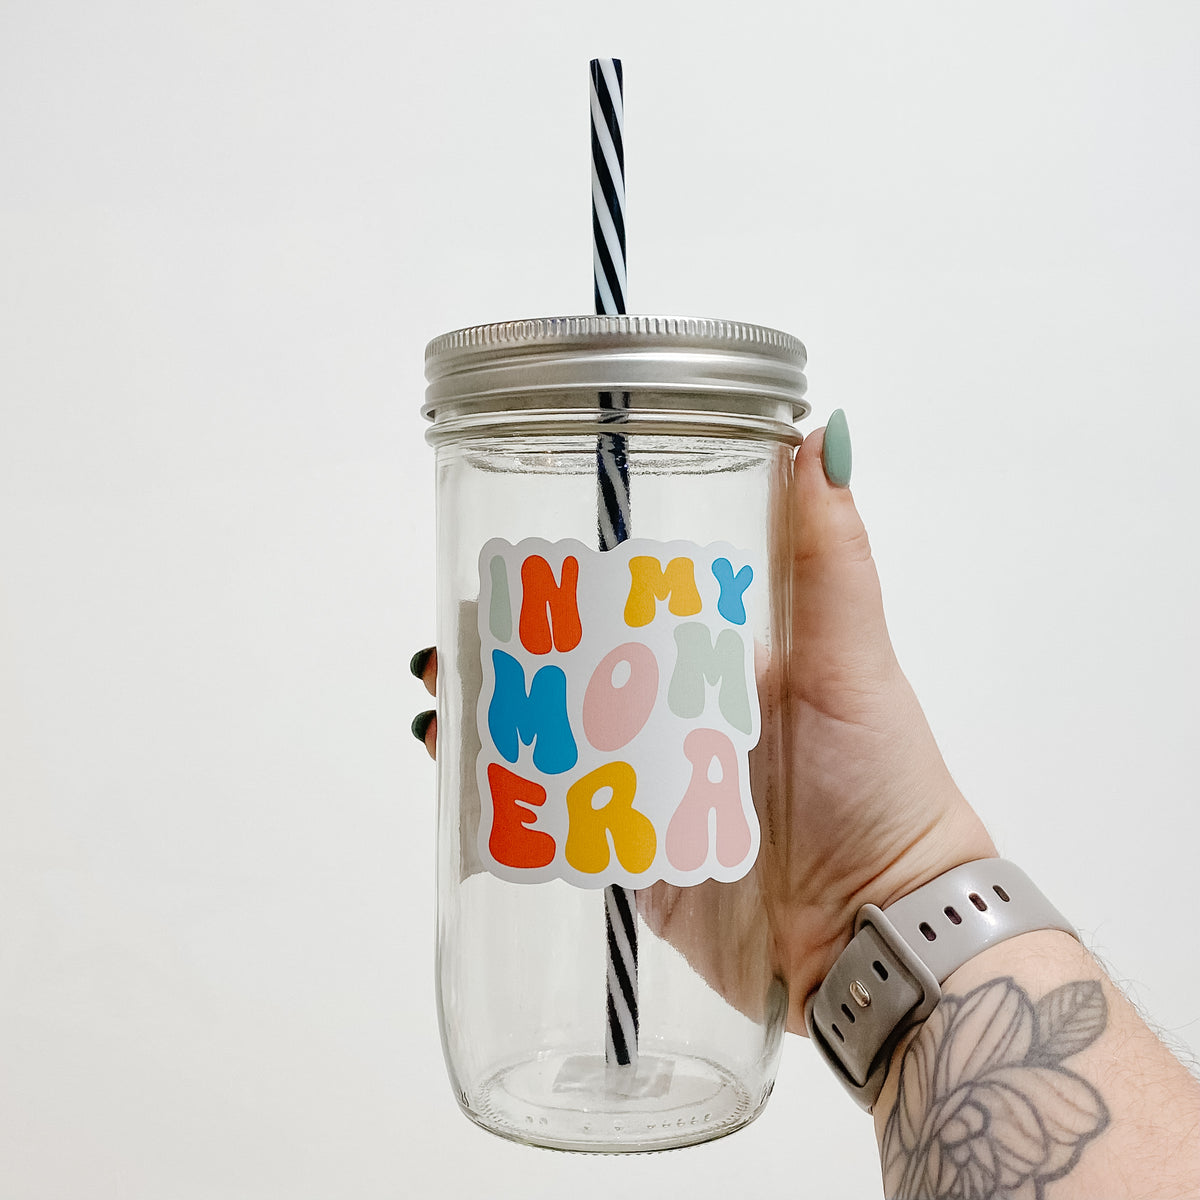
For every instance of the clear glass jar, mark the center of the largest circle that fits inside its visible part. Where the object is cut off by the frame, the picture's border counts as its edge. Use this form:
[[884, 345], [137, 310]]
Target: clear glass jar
[[611, 722]]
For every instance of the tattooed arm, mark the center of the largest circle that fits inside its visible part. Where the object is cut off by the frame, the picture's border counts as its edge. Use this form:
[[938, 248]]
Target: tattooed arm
[[1036, 1078]]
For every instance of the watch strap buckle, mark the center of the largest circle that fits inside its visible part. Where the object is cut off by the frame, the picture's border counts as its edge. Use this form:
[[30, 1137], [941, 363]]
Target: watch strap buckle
[[875, 992]]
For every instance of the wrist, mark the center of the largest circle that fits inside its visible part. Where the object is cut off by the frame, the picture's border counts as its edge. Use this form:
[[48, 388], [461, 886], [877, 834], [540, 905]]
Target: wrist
[[890, 977], [956, 836]]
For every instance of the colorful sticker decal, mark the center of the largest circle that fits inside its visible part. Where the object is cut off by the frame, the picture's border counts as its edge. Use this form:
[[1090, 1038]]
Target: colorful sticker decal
[[617, 712]]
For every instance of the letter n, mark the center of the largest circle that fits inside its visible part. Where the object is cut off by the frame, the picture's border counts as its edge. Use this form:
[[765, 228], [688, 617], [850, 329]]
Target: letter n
[[549, 610]]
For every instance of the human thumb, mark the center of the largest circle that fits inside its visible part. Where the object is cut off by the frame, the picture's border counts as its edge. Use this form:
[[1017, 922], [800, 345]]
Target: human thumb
[[840, 637]]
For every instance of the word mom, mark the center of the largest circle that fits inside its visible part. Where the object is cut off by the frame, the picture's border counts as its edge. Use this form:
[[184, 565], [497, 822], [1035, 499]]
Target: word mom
[[617, 713]]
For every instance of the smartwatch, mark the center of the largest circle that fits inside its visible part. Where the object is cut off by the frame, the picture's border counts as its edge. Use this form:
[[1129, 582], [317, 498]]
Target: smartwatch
[[889, 977]]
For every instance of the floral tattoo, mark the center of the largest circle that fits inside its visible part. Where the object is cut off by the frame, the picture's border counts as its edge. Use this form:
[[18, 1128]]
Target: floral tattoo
[[985, 1108]]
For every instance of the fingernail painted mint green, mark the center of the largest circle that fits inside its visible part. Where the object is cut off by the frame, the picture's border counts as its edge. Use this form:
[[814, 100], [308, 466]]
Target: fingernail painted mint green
[[835, 452]]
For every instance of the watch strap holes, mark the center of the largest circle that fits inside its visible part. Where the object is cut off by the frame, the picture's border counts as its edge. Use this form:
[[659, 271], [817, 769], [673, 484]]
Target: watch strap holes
[[1001, 893], [849, 1014], [879, 969], [841, 1037], [952, 913], [978, 901], [927, 930]]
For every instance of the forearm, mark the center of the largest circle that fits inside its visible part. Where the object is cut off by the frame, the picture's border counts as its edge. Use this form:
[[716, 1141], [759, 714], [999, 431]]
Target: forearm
[[1035, 1073]]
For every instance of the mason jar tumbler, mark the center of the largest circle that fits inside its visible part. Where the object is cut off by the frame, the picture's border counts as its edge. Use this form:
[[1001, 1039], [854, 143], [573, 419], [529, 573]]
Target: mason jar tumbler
[[613, 505]]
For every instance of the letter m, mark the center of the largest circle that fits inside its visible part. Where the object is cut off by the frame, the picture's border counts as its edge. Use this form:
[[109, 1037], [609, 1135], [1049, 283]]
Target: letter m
[[649, 583], [698, 660], [537, 717]]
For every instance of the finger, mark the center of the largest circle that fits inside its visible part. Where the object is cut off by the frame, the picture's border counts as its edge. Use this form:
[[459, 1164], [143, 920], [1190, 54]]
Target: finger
[[424, 729], [424, 667], [827, 522], [836, 599]]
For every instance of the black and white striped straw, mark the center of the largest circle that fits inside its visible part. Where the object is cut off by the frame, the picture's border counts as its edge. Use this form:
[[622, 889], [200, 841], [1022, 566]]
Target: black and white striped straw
[[612, 502], [608, 184]]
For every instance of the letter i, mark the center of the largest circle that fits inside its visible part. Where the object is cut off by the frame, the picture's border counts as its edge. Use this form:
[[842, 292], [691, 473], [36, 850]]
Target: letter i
[[500, 609]]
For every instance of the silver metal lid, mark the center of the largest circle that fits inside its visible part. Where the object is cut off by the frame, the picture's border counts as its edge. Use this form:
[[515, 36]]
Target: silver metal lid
[[524, 363]]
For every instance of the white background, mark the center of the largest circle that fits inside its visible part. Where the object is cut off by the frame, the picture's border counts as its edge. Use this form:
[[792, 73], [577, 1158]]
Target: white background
[[227, 230]]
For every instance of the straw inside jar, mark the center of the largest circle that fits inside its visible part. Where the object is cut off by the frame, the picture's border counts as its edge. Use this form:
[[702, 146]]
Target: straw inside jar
[[612, 501]]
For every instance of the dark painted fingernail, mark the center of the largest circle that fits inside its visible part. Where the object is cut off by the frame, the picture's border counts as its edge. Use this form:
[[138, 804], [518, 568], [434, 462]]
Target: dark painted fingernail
[[420, 661], [421, 723], [835, 451]]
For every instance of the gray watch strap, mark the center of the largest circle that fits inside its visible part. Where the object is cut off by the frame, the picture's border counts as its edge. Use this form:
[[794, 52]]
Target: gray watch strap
[[888, 978]]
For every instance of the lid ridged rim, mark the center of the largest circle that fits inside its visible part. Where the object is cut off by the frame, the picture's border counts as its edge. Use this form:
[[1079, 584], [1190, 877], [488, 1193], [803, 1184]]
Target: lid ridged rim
[[544, 332], [512, 363]]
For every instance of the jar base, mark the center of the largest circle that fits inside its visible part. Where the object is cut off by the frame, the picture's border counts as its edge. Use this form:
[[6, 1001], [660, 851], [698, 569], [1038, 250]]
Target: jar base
[[576, 1101]]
